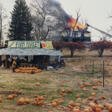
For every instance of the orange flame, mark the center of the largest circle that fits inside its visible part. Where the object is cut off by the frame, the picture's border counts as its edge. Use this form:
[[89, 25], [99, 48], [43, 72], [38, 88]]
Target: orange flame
[[72, 24]]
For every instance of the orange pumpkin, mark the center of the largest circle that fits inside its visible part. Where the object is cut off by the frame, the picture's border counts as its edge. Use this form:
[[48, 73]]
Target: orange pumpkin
[[14, 95], [62, 91], [95, 101], [54, 104], [68, 91], [41, 103], [100, 106], [26, 100], [84, 89], [103, 97], [78, 105], [109, 107], [21, 101], [82, 86], [40, 97], [93, 106], [88, 84], [38, 84], [93, 94], [75, 110], [90, 98], [63, 95], [87, 110], [94, 88], [60, 101], [35, 103], [10, 97], [78, 96], [56, 100], [72, 103], [98, 110]]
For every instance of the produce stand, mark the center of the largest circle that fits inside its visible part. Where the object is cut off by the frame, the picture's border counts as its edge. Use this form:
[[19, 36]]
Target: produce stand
[[36, 58]]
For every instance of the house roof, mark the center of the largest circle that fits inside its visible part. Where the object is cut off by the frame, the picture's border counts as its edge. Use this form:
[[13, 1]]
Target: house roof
[[29, 52]]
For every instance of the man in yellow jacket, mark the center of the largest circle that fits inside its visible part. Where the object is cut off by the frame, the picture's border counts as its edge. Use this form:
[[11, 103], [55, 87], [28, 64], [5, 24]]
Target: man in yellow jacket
[[14, 64]]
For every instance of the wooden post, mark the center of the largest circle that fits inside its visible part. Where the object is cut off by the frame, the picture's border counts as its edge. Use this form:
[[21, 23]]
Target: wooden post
[[103, 73], [93, 68]]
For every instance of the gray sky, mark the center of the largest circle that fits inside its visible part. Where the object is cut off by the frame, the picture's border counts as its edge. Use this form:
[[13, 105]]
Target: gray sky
[[96, 12]]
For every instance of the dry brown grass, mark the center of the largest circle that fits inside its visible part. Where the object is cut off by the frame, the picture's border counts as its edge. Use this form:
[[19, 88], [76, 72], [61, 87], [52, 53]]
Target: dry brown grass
[[69, 77]]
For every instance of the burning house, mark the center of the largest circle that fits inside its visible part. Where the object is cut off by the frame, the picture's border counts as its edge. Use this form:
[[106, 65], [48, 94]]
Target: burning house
[[76, 32]]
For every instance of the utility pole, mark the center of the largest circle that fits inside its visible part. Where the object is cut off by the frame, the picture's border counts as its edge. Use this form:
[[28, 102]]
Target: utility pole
[[0, 26]]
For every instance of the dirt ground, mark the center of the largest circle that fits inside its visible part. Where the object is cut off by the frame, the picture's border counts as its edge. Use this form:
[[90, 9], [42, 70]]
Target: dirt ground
[[85, 68], [71, 77]]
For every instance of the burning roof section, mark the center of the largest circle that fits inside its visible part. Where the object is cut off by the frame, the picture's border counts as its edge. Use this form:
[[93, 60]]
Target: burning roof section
[[75, 25]]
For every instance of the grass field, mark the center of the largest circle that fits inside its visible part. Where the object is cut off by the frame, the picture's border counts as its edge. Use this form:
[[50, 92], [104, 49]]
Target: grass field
[[51, 82]]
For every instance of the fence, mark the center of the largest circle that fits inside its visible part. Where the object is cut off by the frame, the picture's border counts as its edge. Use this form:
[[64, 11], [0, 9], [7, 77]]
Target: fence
[[94, 67]]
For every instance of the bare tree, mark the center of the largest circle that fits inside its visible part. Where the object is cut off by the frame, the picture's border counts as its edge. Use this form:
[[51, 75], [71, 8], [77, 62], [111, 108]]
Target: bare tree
[[77, 19], [3, 16], [47, 16], [0, 22]]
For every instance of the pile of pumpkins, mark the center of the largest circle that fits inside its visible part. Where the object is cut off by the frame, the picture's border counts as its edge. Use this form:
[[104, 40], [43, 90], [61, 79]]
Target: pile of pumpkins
[[27, 70], [92, 104]]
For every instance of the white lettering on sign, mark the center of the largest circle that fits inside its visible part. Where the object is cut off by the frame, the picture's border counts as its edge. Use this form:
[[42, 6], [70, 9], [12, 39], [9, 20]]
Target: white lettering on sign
[[24, 44]]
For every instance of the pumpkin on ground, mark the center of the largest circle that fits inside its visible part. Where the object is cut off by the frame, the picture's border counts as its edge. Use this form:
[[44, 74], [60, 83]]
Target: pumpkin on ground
[[75, 110], [21, 101], [72, 103], [37, 84]]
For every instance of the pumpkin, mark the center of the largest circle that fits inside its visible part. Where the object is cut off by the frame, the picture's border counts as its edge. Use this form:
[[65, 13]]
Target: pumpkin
[[10, 97], [109, 107], [40, 97], [14, 95], [41, 103], [38, 84], [54, 104], [68, 91], [78, 105], [35, 102], [87, 110], [98, 110], [63, 95], [103, 97], [16, 90], [100, 106], [93, 94], [88, 84], [21, 101], [0, 100], [95, 101], [72, 103], [94, 88], [82, 86], [75, 110], [60, 101], [56, 100], [92, 105], [62, 91], [90, 98], [26, 100], [84, 89], [78, 96]]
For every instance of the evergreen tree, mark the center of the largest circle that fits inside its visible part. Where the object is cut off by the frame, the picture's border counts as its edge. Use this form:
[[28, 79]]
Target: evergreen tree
[[21, 26]]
